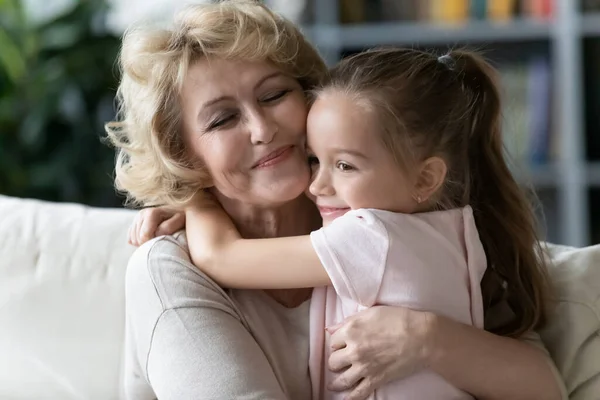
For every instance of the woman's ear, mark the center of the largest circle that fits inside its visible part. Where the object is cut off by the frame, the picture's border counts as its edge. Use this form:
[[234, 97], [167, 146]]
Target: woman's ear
[[431, 177]]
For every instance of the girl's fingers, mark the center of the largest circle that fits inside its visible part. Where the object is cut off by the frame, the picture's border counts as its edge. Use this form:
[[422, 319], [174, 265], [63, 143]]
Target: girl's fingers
[[172, 225], [131, 234]]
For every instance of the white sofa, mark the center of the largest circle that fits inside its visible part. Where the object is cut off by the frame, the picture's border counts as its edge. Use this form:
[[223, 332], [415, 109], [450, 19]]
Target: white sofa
[[62, 269], [62, 317]]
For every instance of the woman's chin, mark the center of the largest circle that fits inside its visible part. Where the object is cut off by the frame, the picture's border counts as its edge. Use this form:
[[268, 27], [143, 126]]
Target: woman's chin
[[285, 191], [287, 182]]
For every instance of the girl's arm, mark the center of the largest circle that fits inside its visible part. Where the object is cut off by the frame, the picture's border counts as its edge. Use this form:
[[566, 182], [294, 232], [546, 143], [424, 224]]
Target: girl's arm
[[217, 248]]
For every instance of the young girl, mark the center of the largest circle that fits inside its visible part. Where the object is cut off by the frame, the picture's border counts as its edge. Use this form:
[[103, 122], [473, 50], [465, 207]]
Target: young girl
[[417, 202]]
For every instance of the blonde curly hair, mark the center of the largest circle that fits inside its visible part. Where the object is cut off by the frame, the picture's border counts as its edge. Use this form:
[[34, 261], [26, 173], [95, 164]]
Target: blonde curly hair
[[152, 166]]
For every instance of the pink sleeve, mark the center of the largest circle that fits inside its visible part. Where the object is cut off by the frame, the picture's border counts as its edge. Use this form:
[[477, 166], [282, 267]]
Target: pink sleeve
[[353, 250]]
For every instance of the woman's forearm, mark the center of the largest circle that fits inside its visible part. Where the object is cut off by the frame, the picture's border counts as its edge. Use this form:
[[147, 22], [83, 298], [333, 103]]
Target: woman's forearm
[[489, 366]]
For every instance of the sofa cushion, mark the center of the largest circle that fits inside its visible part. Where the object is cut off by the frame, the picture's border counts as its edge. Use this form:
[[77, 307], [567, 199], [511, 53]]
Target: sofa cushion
[[62, 269], [572, 335]]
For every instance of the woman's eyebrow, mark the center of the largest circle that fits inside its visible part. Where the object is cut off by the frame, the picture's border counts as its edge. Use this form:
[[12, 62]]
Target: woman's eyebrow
[[215, 101], [269, 76], [224, 98]]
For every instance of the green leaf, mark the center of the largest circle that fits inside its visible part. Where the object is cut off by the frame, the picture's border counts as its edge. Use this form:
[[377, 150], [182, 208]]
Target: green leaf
[[10, 57], [51, 118], [61, 36]]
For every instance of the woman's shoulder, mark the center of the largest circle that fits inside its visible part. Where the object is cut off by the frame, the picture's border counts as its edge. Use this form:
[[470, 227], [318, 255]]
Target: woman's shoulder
[[146, 261], [145, 258], [161, 270]]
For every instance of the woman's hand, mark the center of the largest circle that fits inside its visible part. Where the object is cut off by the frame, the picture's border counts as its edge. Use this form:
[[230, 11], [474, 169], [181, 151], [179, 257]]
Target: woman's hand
[[379, 345], [152, 222], [382, 344]]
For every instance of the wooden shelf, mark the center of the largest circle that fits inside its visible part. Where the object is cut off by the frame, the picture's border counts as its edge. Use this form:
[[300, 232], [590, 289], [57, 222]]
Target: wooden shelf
[[418, 33], [423, 33]]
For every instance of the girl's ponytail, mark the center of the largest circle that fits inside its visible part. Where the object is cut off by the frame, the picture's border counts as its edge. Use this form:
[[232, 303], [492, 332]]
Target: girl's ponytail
[[504, 216]]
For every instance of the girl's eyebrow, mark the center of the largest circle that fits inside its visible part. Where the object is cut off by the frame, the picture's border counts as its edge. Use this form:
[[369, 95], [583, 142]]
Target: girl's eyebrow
[[351, 152]]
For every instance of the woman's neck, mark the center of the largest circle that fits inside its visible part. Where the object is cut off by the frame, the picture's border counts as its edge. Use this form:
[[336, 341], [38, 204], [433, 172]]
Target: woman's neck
[[298, 217]]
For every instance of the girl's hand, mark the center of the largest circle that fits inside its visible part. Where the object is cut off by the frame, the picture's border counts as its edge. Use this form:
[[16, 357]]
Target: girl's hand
[[379, 345], [152, 222]]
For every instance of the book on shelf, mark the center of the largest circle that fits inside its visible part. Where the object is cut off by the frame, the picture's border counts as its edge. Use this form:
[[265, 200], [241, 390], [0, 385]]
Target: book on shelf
[[590, 5], [443, 11], [540, 9], [527, 99]]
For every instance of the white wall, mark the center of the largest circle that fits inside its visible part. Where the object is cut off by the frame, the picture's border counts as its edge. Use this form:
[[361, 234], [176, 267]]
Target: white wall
[[43, 10], [126, 12], [129, 11]]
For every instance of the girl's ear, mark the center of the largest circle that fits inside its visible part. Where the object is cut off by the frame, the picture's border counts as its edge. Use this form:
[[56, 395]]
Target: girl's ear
[[431, 177]]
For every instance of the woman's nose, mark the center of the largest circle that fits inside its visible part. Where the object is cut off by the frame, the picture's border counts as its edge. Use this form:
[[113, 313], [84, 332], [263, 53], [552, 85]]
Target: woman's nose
[[263, 127]]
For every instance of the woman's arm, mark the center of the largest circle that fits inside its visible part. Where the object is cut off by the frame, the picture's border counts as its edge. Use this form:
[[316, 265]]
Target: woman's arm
[[280, 263], [388, 343], [185, 338], [495, 367]]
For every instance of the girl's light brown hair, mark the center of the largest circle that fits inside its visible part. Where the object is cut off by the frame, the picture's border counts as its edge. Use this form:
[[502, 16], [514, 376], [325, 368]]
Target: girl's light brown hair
[[450, 107], [152, 166]]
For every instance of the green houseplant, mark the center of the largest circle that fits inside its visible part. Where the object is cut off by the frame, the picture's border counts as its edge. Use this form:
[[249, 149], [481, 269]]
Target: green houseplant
[[57, 87]]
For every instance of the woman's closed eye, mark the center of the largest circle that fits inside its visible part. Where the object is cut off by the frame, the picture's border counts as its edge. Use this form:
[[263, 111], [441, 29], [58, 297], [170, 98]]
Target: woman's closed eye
[[223, 120], [273, 97]]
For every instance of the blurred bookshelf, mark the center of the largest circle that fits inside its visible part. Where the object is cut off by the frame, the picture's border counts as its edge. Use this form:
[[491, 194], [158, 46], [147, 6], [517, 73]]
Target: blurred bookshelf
[[548, 55]]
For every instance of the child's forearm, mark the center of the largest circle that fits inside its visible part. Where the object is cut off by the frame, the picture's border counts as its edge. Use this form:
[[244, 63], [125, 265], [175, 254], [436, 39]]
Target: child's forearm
[[217, 249], [280, 263], [207, 231]]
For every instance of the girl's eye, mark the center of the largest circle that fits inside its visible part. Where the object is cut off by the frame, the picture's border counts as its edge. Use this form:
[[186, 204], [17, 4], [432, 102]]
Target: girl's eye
[[312, 160], [344, 167], [222, 121], [275, 96]]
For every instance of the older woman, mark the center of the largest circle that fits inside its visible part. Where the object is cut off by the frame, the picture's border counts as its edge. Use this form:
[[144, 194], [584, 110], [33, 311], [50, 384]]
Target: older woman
[[219, 103]]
